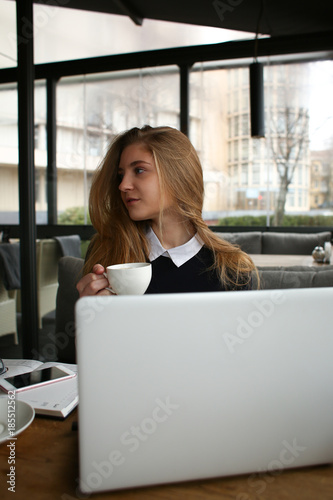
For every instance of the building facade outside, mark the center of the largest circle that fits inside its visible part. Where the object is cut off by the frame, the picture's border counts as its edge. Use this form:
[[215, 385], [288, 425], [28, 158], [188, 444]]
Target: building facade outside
[[321, 191]]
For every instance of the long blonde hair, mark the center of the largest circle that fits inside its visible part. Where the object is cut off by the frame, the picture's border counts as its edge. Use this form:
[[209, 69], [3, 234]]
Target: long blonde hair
[[120, 239]]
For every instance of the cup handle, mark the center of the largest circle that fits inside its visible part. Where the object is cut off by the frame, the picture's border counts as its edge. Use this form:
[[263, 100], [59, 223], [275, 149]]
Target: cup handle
[[107, 287]]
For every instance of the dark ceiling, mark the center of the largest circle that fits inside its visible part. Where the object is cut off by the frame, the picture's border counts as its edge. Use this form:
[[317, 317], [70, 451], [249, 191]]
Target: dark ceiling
[[277, 17]]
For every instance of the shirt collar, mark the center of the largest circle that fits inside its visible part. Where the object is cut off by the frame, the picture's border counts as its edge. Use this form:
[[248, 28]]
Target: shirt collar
[[178, 255]]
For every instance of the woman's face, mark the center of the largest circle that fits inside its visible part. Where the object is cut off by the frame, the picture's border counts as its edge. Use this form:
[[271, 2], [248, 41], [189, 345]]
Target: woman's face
[[139, 184]]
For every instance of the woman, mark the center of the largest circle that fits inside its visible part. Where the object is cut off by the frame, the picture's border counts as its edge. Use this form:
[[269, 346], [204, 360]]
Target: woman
[[146, 205]]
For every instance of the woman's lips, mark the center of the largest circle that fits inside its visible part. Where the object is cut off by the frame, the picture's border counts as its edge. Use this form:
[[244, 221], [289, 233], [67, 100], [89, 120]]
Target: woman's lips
[[131, 201]]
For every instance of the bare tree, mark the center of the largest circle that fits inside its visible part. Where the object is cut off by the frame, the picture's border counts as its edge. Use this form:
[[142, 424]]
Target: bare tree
[[289, 142]]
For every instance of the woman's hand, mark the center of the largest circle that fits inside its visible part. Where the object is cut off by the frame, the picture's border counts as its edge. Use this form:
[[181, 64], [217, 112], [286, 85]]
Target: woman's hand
[[93, 283]]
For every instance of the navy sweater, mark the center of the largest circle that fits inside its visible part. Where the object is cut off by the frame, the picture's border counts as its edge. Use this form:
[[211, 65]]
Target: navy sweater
[[193, 276]]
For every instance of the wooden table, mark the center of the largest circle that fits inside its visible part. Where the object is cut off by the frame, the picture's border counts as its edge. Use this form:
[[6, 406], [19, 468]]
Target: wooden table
[[46, 468], [266, 260]]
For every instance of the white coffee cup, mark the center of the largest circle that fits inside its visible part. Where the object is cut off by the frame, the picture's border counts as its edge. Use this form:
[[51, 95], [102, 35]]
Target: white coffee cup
[[129, 279]]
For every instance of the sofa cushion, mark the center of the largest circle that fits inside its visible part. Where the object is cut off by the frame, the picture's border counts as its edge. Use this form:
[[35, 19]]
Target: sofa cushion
[[293, 243], [249, 241], [69, 273], [304, 277]]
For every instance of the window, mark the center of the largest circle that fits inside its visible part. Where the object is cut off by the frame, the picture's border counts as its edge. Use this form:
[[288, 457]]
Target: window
[[245, 149], [236, 126], [245, 130], [236, 155], [245, 99], [9, 193], [92, 110], [256, 173], [230, 156], [244, 175], [295, 130]]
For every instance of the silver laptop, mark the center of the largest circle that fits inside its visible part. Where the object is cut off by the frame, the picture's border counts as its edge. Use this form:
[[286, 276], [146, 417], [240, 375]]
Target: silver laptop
[[189, 386]]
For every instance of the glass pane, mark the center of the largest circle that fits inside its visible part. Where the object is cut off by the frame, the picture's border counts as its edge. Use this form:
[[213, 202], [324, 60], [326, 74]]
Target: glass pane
[[40, 152], [9, 189], [9, 193], [65, 33], [91, 111], [284, 179], [8, 38]]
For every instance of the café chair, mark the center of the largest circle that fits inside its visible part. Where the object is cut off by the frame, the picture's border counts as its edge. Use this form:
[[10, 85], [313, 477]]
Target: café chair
[[69, 273], [48, 254]]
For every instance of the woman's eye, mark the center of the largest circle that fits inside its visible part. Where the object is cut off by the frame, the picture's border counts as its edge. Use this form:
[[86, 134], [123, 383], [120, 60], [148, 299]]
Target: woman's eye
[[139, 170]]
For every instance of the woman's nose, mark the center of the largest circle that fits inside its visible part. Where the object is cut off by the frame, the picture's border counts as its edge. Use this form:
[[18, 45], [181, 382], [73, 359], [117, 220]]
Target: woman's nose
[[126, 183]]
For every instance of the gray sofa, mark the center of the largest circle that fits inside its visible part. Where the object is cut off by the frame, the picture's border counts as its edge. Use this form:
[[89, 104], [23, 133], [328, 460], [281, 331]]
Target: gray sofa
[[70, 271], [272, 278], [270, 242]]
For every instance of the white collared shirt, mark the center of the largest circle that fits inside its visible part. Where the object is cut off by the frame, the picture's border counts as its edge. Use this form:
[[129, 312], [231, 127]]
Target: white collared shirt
[[178, 255]]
